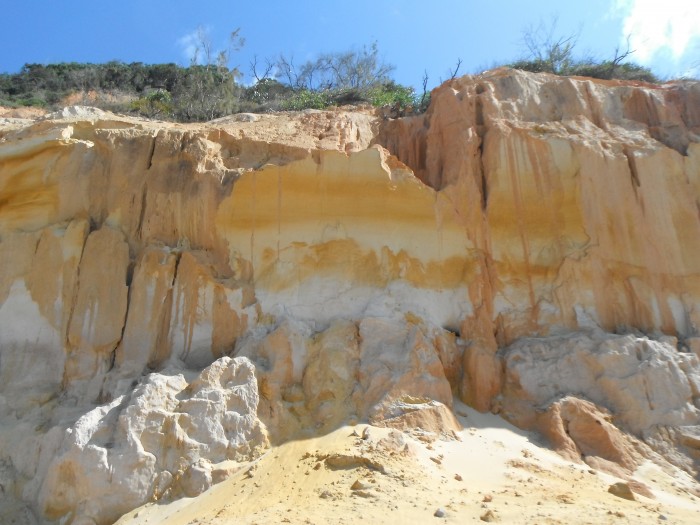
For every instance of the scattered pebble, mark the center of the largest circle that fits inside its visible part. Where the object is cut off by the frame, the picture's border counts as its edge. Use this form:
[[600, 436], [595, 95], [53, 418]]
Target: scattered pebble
[[489, 516], [360, 485], [440, 513]]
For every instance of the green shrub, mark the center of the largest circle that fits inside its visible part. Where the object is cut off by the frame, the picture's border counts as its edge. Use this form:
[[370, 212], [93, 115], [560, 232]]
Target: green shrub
[[587, 68], [158, 103], [307, 99], [267, 94], [610, 70], [7, 103], [392, 94], [32, 102], [533, 66]]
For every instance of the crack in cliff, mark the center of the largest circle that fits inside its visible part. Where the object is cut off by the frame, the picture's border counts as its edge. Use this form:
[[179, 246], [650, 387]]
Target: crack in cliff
[[71, 311], [484, 182], [593, 106], [480, 129], [142, 211], [161, 342], [632, 166], [646, 393], [151, 152], [128, 281]]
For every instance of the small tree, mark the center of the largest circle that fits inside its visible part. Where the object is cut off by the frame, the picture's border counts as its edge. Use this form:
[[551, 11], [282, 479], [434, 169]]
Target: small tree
[[208, 89], [344, 70], [548, 52]]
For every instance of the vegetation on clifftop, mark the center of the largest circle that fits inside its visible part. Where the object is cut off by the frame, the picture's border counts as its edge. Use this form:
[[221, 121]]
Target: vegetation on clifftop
[[549, 52], [208, 88]]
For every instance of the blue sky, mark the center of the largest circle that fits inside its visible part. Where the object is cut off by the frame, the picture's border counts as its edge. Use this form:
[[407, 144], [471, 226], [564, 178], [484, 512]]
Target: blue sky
[[413, 35]]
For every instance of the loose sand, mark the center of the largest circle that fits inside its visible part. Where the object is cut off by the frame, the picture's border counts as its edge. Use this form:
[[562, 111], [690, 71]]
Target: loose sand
[[489, 471]]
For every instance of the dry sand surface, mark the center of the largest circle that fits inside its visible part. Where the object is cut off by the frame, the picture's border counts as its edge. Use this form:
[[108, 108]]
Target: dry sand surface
[[489, 471]]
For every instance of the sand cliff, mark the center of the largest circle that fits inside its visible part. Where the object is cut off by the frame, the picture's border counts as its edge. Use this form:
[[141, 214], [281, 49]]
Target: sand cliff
[[175, 299]]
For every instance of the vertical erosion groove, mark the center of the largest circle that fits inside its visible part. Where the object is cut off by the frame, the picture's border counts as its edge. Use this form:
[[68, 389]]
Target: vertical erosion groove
[[593, 106], [142, 211], [631, 163], [71, 307], [406, 139], [151, 152], [161, 344], [480, 128], [129, 280]]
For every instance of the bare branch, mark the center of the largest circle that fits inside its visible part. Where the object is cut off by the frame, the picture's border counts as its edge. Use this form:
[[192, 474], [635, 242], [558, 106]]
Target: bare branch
[[346, 70], [287, 70], [619, 57], [554, 53], [425, 89], [453, 74], [269, 65], [203, 44]]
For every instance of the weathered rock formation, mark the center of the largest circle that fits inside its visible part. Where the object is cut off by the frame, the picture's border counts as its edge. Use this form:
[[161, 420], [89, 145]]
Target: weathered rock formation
[[162, 437], [155, 277]]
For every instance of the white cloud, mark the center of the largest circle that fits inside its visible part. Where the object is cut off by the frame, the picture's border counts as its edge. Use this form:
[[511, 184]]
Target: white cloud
[[188, 43], [192, 44], [655, 27]]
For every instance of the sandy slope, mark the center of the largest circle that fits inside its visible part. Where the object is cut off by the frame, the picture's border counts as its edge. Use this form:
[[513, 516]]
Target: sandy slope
[[490, 472]]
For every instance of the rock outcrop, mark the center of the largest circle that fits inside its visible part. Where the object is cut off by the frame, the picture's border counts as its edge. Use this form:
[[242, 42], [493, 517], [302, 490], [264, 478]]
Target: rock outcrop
[[559, 384], [154, 277], [162, 438]]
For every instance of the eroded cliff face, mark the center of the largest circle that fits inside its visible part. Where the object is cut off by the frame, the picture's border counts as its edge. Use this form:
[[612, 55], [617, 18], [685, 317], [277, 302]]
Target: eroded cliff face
[[173, 298], [587, 193]]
